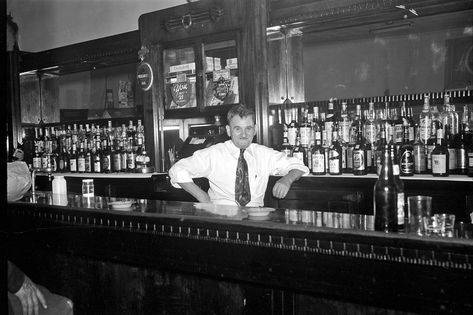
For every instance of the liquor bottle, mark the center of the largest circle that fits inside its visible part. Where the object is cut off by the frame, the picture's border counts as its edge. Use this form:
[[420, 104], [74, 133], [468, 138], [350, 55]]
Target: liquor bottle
[[470, 161], [431, 143], [385, 197], [37, 158], [286, 148], [304, 129], [461, 147], [406, 155], [344, 124], [63, 164], [318, 156], [97, 157], [370, 133], [73, 158], [399, 123], [335, 154], [359, 156], [401, 200], [356, 126], [81, 158], [88, 156], [412, 125], [117, 155], [425, 121], [124, 154], [276, 130], [420, 158], [448, 116], [299, 152], [292, 128], [452, 152], [142, 159], [378, 151], [440, 158], [328, 123], [131, 159], [106, 157]]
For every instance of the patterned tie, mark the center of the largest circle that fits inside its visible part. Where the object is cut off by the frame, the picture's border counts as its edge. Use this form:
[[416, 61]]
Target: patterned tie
[[242, 185]]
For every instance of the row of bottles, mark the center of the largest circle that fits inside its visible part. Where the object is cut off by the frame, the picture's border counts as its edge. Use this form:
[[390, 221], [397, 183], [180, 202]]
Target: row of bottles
[[98, 149], [335, 143]]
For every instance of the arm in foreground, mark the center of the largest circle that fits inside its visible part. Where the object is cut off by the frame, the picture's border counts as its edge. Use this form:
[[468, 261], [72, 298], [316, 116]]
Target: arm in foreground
[[28, 294], [195, 191], [282, 186]]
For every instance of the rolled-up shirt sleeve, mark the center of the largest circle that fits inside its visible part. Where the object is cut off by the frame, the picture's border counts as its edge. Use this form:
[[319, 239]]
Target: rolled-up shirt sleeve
[[282, 164], [184, 170], [15, 278]]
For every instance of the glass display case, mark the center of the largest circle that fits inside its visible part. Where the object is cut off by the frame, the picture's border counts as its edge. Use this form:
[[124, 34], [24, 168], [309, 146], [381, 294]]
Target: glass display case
[[200, 77]]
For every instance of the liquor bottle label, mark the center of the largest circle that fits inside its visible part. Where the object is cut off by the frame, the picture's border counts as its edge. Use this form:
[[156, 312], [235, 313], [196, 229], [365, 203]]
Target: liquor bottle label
[[298, 155], [81, 165], [328, 132], [73, 165], [407, 162], [452, 159], [398, 133], [439, 164], [318, 165], [461, 159], [37, 162], [359, 160], [334, 165], [305, 135], [400, 208], [425, 129], [430, 148], [345, 131], [291, 136]]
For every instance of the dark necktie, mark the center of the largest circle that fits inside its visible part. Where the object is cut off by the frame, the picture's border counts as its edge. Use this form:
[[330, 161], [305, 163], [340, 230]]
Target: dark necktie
[[242, 185]]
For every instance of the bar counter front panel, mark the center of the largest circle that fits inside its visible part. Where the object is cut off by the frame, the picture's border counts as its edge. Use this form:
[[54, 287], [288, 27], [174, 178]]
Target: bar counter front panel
[[218, 259]]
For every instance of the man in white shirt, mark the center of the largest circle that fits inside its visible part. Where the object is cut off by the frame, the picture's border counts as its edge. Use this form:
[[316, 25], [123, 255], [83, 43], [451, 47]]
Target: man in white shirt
[[218, 163]]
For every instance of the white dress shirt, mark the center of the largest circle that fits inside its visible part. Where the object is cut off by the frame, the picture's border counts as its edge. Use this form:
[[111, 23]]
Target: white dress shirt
[[218, 164]]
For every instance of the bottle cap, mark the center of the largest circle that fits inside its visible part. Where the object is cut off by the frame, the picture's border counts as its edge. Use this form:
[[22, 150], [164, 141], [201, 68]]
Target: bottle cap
[[87, 180]]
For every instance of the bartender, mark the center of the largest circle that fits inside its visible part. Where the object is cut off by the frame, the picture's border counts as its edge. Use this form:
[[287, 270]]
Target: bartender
[[238, 170]]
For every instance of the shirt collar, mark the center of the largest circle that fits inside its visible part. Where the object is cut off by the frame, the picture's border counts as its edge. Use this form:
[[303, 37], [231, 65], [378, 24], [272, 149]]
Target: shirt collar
[[235, 151]]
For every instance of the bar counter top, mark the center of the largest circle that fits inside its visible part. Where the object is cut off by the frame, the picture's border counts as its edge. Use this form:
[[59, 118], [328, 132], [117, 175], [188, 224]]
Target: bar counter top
[[335, 255]]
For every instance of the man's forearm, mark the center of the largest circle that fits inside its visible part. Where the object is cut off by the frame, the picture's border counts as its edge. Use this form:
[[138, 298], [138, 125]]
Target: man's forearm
[[292, 176], [195, 191]]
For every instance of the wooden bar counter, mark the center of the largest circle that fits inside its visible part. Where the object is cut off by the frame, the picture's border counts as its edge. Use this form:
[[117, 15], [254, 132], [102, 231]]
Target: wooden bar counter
[[168, 257]]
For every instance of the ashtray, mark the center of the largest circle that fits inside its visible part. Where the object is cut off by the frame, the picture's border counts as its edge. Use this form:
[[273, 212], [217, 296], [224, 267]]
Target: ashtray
[[121, 205], [259, 212]]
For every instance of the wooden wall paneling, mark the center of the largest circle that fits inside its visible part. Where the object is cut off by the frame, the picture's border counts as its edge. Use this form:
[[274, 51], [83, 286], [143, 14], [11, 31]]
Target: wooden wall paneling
[[254, 61]]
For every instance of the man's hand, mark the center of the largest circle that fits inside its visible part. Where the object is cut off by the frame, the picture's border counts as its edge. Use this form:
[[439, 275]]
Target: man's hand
[[29, 295], [282, 186]]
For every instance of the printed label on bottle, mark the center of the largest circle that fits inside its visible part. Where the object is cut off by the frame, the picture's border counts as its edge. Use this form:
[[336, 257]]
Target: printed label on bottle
[[73, 165], [439, 164], [461, 159], [328, 131], [292, 135], [345, 131], [398, 133], [400, 208], [430, 148], [318, 165], [407, 162], [350, 157], [37, 162], [452, 159], [425, 129], [358, 160], [298, 155], [370, 133], [81, 165], [305, 135], [334, 165]]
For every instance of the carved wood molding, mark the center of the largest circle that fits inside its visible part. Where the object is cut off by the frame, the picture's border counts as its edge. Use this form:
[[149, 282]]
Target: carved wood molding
[[186, 21], [284, 12]]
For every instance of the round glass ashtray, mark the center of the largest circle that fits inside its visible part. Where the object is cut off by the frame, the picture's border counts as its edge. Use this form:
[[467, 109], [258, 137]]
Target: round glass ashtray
[[259, 211], [121, 204]]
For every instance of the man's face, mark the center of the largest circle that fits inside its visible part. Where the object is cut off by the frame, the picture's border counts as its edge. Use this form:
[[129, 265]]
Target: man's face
[[241, 131]]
